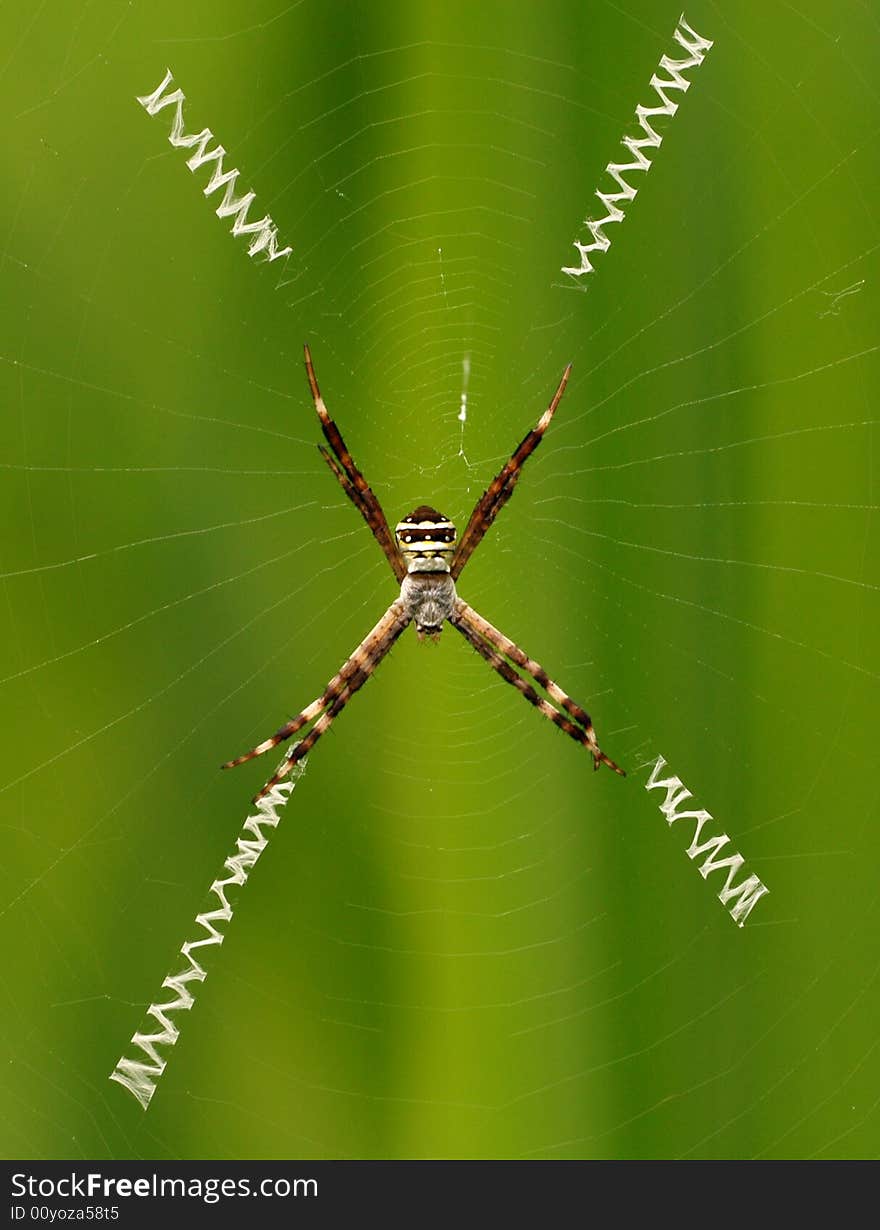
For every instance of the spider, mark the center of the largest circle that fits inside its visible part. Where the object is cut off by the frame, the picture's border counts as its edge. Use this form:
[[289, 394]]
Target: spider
[[426, 558]]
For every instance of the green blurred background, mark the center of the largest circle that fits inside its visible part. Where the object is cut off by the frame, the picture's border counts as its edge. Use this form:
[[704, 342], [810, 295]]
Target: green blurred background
[[485, 950]]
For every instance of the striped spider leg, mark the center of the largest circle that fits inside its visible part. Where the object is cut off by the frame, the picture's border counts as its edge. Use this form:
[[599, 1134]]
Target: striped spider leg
[[501, 487], [351, 676], [356, 670], [426, 559], [495, 647], [350, 478]]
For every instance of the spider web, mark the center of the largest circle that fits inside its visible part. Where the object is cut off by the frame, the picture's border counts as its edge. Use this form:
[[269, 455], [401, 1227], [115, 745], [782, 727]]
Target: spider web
[[462, 942]]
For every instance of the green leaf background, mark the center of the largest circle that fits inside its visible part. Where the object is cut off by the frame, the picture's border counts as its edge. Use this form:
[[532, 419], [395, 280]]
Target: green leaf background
[[460, 942]]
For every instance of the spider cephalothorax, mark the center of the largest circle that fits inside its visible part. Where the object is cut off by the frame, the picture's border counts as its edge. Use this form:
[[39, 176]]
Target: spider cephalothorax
[[426, 557]]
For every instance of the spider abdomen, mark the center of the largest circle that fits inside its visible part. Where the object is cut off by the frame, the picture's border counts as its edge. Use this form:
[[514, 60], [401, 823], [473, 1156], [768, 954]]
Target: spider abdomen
[[427, 540], [429, 598]]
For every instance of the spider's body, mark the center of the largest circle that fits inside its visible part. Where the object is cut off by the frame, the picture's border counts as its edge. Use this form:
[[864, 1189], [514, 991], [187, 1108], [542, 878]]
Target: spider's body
[[426, 557], [427, 543]]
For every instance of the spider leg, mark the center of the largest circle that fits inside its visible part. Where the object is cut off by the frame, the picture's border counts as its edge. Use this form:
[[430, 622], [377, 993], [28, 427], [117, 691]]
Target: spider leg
[[302, 748], [351, 676], [500, 489], [351, 479], [495, 647]]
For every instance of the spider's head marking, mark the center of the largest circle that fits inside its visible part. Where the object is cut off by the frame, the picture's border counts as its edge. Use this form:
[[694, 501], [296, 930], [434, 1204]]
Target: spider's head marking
[[427, 540]]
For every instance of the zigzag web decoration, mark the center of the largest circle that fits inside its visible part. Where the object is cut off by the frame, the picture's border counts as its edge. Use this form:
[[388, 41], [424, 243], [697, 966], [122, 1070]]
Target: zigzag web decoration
[[136, 1075], [696, 46], [264, 232]]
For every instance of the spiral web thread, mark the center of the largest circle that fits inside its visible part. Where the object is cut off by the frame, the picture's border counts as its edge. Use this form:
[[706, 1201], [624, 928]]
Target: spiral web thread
[[140, 1077], [696, 46], [264, 232]]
